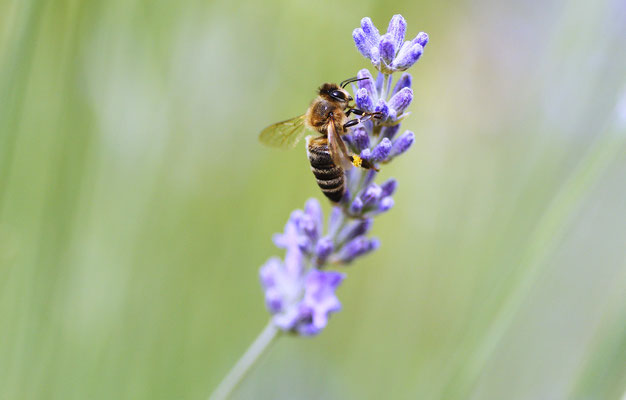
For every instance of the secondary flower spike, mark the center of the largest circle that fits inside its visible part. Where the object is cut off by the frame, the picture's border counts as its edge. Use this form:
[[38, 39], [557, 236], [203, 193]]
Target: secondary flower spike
[[300, 290]]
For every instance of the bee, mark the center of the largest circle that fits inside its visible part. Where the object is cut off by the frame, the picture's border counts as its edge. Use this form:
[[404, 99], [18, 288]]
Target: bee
[[327, 115]]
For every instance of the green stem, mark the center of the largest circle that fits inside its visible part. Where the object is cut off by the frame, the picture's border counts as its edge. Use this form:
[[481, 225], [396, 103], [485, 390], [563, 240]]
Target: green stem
[[245, 363], [387, 87]]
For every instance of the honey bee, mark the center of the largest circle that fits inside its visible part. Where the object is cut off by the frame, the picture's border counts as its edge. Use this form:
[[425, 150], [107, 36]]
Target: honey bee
[[328, 115]]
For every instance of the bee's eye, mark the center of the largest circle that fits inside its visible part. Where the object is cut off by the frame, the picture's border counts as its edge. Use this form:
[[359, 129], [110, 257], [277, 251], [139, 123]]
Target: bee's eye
[[336, 94]]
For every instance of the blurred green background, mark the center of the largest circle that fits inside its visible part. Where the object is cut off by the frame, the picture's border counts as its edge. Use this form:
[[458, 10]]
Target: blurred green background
[[136, 204]]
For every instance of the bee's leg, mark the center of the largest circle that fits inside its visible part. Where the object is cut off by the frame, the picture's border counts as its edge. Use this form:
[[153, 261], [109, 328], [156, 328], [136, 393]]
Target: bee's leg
[[366, 117], [355, 111], [357, 161]]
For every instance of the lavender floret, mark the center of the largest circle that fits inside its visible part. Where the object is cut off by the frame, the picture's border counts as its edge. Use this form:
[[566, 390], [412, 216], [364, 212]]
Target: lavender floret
[[402, 144], [381, 152], [300, 291]]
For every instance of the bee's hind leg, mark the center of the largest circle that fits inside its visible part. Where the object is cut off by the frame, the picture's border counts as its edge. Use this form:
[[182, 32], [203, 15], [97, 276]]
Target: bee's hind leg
[[357, 161]]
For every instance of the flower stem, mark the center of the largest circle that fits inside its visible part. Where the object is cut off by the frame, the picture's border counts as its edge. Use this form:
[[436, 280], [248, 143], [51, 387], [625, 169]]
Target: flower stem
[[387, 87], [245, 363]]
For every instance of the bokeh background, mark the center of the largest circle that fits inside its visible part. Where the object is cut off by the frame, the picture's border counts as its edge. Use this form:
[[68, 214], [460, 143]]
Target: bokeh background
[[136, 204]]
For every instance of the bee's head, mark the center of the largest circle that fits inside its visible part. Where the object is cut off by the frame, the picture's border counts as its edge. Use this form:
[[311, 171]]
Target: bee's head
[[335, 93]]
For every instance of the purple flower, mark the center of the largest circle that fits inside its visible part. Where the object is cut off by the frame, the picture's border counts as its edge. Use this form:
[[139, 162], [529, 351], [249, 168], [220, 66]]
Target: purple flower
[[319, 301], [388, 53], [401, 100], [389, 187], [390, 131], [402, 144], [323, 249], [381, 152], [356, 206], [300, 290], [363, 100], [357, 247], [368, 84], [382, 108], [403, 82]]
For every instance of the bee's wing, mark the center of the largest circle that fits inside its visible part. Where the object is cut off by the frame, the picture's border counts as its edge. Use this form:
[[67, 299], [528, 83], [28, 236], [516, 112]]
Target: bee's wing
[[284, 134], [337, 148]]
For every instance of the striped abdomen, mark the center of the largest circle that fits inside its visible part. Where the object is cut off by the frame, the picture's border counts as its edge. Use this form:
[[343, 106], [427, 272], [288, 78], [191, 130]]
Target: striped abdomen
[[328, 175]]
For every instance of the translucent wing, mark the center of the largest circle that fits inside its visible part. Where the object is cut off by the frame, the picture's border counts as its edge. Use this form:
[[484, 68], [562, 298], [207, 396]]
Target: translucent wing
[[337, 148], [285, 134]]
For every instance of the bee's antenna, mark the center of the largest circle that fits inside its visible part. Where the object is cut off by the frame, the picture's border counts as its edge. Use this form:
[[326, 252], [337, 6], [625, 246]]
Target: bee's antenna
[[351, 80]]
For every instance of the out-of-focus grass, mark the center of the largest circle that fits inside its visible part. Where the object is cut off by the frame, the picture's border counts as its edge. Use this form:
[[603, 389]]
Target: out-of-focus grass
[[136, 204]]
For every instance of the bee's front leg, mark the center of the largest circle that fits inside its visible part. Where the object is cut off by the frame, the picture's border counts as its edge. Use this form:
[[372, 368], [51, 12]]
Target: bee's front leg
[[365, 116]]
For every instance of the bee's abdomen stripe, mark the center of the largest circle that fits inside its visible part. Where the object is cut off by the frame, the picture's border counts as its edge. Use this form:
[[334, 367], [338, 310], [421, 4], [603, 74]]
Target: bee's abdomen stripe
[[329, 177], [334, 194], [325, 184], [319, 158], [327, 173]]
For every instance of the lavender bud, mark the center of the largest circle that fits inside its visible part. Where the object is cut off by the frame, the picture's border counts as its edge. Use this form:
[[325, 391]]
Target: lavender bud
[[368, 84], [366, 154], [369, 177], [357, 206], [371, 194], [393, 115], [404, 81], [361, 42], [346, 196], [360, 139], [290, 238], [397, 29], [268, 271], [382, 108], [385, 204], [363, 100], [334, 220], [402, 144], [381, 152], [319, 301], [401, 100], [357, 228], [421, 39], [387, 48], [380, 81], [277, 283], [371, 32], [389, 187], [407, 56], [314, 210], [390, 131], [323, 248], [273, 301], [348, 139], [358, 247], [375, 57]]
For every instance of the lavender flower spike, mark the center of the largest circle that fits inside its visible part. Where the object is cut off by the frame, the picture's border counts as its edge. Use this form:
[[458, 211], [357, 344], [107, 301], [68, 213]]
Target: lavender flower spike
[[389, 53], [300, 292]]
